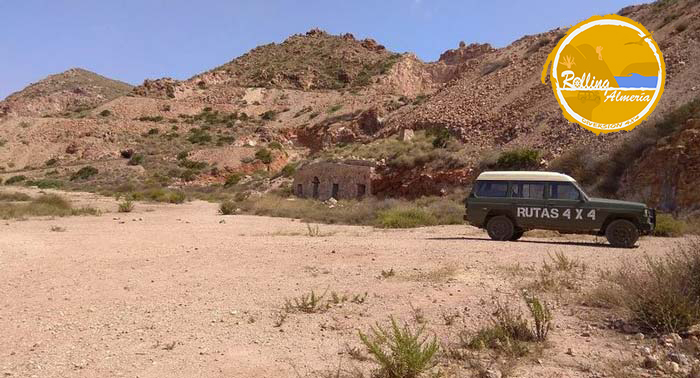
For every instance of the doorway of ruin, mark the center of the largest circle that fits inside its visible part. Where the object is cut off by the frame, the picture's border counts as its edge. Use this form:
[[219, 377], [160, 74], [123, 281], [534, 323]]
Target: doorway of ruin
[[316, 182], [334, 192]]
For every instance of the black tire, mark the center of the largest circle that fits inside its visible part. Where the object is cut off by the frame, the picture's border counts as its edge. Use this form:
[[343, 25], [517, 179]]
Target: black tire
[[517, 235], [622, 233], [500, 228]]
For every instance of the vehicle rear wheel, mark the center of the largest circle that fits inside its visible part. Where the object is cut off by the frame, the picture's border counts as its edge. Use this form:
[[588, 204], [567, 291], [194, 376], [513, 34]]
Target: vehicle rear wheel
[[622, 233], [517, 235], [500, 228]]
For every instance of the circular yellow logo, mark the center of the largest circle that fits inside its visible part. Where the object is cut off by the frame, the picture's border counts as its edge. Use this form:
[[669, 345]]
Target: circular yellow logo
[[607, 74]]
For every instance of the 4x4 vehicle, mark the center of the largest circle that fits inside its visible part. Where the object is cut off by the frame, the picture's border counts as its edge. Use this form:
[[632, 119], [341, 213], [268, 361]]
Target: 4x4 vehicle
[[507, 204]]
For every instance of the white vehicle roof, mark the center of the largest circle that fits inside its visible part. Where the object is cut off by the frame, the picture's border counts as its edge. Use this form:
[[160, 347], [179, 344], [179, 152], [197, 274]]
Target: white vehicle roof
[[525, 176]]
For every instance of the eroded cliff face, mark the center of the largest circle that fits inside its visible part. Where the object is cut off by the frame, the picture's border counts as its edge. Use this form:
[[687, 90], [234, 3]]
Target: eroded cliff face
[[667, 175]]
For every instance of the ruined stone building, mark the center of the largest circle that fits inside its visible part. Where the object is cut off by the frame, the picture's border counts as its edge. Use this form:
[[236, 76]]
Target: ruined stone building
[[347, 179]]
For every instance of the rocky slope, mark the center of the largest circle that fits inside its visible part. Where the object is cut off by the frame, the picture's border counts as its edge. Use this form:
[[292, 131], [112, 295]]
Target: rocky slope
[[70, 91], [316, 91]]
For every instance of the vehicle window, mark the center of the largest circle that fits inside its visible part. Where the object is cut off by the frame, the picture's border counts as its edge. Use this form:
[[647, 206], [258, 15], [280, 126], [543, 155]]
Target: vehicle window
[[563, 190], [492, 188], [531, 190]]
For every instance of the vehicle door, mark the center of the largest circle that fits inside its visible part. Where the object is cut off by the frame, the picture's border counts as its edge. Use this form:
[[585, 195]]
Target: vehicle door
[[567, 210], [527, 201], [487, 196]]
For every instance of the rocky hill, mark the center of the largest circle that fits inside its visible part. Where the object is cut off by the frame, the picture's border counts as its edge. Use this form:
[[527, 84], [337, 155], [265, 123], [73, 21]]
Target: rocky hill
[[70, 91], [320, 95]]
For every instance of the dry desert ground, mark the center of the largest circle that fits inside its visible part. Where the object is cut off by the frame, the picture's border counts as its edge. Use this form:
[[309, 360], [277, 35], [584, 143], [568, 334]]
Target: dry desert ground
[[180, 291]]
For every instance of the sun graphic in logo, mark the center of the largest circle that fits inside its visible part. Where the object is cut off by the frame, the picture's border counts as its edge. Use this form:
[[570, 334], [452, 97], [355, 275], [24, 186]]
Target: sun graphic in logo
[[607, 74]]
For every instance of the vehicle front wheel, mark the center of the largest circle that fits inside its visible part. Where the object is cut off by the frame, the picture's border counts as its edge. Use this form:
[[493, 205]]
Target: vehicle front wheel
[[500, 228], [517, 235], [622, 233]]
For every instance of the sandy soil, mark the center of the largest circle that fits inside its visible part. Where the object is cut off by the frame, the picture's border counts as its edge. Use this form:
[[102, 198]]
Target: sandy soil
[[179, 291]]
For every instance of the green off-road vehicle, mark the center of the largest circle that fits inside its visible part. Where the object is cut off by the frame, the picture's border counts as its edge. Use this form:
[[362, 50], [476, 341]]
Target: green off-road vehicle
[[507, 204]]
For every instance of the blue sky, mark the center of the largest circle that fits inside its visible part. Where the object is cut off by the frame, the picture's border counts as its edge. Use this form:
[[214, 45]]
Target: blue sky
[[131, 40]]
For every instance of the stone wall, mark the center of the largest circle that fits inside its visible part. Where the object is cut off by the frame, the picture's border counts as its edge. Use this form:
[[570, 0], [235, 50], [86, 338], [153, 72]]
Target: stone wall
[[340, 180]]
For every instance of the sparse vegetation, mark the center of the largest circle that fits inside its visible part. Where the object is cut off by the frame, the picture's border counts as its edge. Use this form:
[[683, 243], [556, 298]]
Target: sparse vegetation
[[227, 208], [510, 331], [84, 173], [306, 303], [233, 179], [407, 217], [264, 155], [45, 183], [45, 205], [126, 206], [199, 136], [662, 294], [15, 179], [105, 113], [334, 108], [400, 352], [51, 162], [269, 115], [136, 159], [14, 197], [668, 226], [158, 195], [394, 213], [150, 118], [561, 272]]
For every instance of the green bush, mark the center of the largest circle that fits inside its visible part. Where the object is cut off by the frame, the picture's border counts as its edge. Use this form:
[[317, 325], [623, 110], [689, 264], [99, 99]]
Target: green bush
[[51, 162], [126, 207], [233, 179], [15, 179], [442, 137], [182, 155], [159, 195], [667, 226], [518, 159], [136, 159], [45, 183], [84, 173], [269, 115], [227, 208], [401, 352], [199, 136], [406, 217], [105, 113], [264, 155], [150, 118], [275, 145], [288, 170], [191, 164], [153, 131]]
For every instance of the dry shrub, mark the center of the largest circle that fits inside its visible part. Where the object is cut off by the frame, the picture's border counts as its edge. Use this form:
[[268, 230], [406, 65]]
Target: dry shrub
[[662, 294], [45, 205], [388, 213]]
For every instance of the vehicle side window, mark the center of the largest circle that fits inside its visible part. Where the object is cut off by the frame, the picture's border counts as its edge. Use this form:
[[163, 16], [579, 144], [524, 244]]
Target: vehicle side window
[[524, 189], [564, 190], [492, 188]]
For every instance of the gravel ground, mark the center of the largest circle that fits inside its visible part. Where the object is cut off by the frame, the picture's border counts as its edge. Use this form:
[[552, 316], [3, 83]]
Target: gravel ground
[[179, 291]]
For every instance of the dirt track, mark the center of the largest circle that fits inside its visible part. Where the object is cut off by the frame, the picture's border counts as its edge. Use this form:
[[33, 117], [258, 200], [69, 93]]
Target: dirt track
[[179, 291]]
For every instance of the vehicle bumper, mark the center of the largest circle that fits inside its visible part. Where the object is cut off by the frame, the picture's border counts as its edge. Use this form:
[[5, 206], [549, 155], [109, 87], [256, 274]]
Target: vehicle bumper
[[648, 225]]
